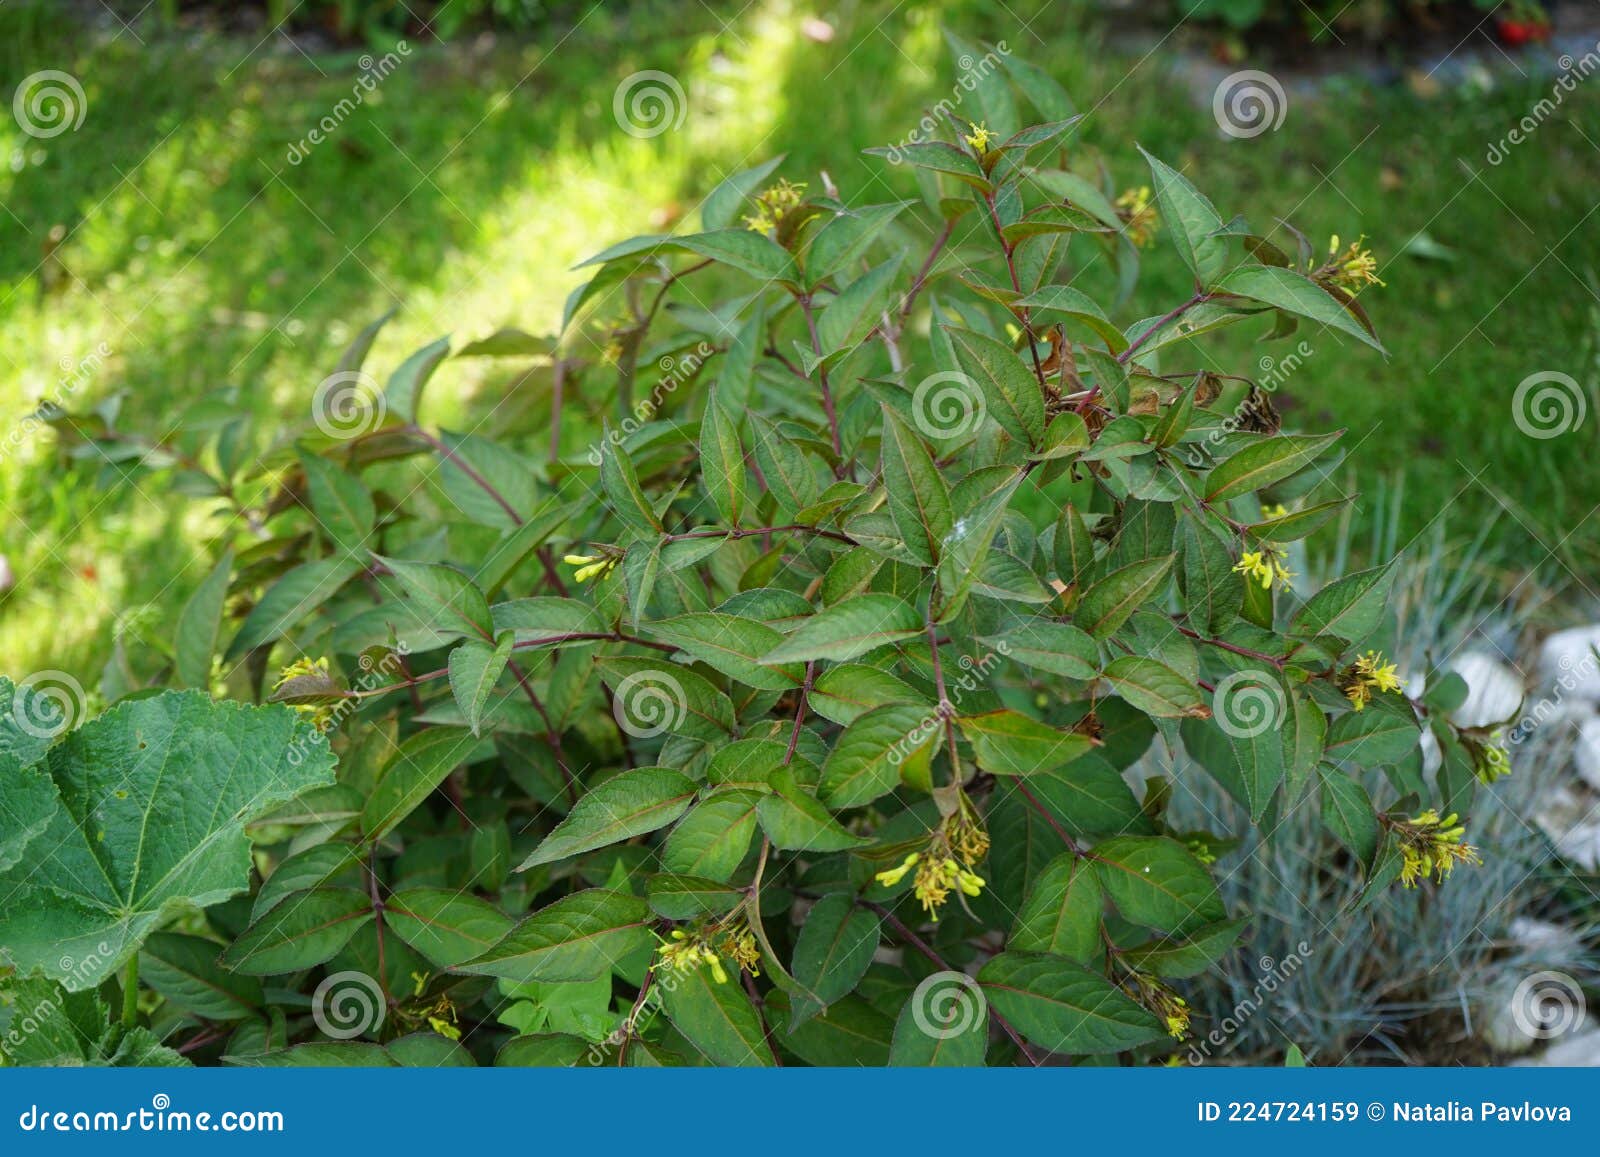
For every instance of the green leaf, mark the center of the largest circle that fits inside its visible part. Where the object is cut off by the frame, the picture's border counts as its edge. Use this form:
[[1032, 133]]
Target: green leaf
[[832, 953], [676, 897], [1350, 608], [474, 669], [1007, 742], [1191, 221], [1111, 601], [303, 931], [623, 492], [1073, 548], [154, 797], [850, 629], [845, 693], [721, 207], [198, 627], [1295, 293], [1349, 816], [417, 767], [1211, 588], [857, 309], [714, 837], [735, 646], [579, 937], [1157, 882], [624, 806], [944, 1024], [875, 751], [1009, 388], [1153, 687], [1386, 732], [846, 238], [1062, 913], [1262, 463], [1056, 648], [545, 617], [850, 1034], [744, 250], [445, 598], [1063, 1007], [919, 501], [342, 504], [1248, 761], [184, 969], [722, 461], [1177, 959], [1064, 301], [446, 926], [718, 1019], [403, 391], [288, 601], [938, 157], [796, 821], [787, 470]]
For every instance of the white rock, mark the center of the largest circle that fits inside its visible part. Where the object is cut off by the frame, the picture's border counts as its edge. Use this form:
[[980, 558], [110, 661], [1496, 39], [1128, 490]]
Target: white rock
[[1557, 940], [1494, 690], [1567, 662], [1586, 751], [1579, 1051]]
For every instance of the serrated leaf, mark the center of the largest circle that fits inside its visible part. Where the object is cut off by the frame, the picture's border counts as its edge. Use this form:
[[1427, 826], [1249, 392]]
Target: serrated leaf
[[185, 971], [1264, 462], [722, 461], [1063, 910], [714, 837], [416, 768], [919, 500], [718, 1019], [1153, 687], [796, 821], [445, 598], [1063, 1007], [1009, 387], [624, 806], [474, 668], [1297, 294], [832, 952], [1109, 602], [1191, 222], [305, 930], [578, 937], [151, 838], [1349, 816], [850, 629], [735, 646], [1007, 742], [300, 591], [1158, 882], [446, 926], [873, 753], [195, 642]]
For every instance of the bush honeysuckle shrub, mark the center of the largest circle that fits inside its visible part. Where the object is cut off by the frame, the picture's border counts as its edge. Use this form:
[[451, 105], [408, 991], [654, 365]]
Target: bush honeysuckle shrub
[[786, 719]]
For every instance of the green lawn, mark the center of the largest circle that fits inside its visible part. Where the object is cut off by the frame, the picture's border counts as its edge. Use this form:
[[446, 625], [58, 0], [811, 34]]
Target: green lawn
[[466, 190]]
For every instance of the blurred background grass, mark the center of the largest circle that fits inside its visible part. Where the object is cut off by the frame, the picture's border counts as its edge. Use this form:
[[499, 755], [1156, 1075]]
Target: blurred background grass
[[482, 170]]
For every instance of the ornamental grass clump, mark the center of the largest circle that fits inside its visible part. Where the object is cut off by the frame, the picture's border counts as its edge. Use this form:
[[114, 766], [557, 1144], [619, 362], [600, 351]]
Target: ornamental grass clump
[[777, 713]]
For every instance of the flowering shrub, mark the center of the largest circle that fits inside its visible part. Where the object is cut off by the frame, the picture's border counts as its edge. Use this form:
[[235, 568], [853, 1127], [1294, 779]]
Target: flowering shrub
[[783, 722]]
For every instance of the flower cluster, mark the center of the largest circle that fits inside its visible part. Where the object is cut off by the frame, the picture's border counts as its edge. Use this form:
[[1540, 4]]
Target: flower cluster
[[947, 863], [1353, 270], [1368, 674], [1161, 1000], [1265, 566], [1138, 213], [773, 205], [708, 944], [1432, 846], [590, 565], [978, 139]]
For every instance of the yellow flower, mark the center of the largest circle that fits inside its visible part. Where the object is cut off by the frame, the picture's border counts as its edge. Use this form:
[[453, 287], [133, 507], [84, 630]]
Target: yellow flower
[[1159, 999], [1269, 513], [1432, 846], [299, 669], [1139, 216], [1491, 762], [773, 205], [1370, 673], [589, 565], [893, 876], [979, 139], [687, 951], [1353, 269], [1265, 566]]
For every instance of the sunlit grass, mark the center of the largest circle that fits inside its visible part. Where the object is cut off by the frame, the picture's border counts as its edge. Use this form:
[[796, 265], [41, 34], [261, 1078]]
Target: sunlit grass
[[466, 191]]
